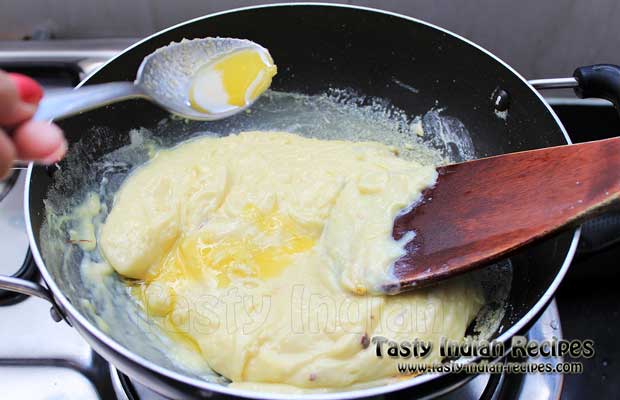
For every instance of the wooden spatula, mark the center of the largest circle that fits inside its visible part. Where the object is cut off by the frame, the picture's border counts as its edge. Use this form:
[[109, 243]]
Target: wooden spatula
[[481, 210]]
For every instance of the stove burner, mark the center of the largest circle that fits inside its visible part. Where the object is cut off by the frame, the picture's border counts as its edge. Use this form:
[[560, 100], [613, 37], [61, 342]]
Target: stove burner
[[125, 388], [480, 387]]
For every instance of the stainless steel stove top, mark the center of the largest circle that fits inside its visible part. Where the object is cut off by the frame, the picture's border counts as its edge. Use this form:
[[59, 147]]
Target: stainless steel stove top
[[39, 358], [43, 359]]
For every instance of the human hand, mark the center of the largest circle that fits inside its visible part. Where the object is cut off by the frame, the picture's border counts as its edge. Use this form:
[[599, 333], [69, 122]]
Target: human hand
[[28, 140]]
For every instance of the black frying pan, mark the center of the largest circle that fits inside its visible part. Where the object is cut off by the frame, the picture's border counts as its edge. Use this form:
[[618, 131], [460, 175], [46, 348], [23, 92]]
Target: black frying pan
[[319, 47]]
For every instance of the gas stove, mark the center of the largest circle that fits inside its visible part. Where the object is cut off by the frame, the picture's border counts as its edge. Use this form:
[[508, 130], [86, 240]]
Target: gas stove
[[43, 359]]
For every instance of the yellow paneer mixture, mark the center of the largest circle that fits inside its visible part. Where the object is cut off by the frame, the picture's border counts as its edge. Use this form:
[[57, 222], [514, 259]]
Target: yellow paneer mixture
[[267, 251]]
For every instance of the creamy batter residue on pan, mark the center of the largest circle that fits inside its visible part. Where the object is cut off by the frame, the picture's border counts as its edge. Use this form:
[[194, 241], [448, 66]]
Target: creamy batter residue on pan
[[265, 252]]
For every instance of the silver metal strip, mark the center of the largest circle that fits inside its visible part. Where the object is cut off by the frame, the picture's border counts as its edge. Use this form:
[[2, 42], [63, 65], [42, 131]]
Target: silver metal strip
[[59, 50], [85, 55], [567, 101], [554, 83]]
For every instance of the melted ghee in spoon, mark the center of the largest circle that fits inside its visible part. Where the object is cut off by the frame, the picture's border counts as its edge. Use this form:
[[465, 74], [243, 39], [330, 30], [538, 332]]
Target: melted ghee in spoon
[[233, 81]]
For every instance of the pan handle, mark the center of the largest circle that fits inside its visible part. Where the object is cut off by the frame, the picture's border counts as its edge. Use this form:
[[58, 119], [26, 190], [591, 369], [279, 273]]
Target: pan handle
[[593, 81], [601, 81], [29, 288]]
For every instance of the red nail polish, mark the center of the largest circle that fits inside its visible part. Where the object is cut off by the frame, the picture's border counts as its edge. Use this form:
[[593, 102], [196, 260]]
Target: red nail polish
[[29, 90]]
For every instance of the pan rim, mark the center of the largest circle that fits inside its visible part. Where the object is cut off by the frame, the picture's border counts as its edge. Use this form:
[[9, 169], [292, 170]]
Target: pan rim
[[118, 348]]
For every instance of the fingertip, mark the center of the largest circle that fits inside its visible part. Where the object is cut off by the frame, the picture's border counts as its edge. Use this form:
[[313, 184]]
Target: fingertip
[[57, 155], [39, 141]]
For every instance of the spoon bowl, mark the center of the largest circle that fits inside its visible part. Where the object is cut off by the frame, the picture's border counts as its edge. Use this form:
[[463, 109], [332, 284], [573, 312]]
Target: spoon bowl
[[165, 75]]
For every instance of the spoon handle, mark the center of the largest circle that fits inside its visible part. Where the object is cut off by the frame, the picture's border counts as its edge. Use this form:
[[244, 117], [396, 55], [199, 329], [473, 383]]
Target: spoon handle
[[62, 103]]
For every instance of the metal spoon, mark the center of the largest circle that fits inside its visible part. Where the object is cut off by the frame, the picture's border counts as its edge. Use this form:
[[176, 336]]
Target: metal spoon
[[163, 78]]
